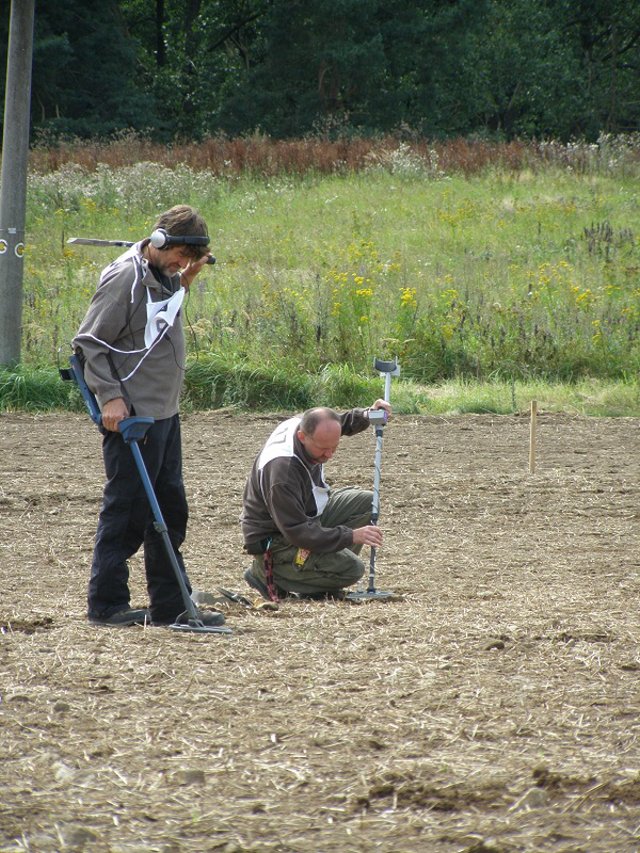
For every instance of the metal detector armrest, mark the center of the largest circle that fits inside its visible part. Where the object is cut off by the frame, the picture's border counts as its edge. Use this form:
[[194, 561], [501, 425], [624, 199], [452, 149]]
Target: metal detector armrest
[[390, 367]]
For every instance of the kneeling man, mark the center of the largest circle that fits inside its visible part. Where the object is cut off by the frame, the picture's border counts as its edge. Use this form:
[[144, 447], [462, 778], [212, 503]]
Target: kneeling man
[[304, 537]]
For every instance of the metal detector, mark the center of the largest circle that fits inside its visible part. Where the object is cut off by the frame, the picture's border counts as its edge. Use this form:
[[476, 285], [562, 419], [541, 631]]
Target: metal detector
[[132, 431], [387, 369], [95, 241]]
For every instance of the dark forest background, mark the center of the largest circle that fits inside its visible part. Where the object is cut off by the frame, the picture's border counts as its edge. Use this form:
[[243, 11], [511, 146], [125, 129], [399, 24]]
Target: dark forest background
[[191, 69]]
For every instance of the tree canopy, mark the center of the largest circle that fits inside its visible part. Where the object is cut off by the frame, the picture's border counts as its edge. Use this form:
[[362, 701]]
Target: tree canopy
[[288, 68]]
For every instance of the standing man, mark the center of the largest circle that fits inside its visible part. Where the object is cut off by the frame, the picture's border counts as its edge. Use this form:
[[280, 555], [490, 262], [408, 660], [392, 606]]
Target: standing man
[[304, 537], [132, 344]]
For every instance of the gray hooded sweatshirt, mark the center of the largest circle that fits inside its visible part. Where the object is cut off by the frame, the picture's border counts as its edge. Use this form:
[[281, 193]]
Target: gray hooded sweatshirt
[[112, 337]]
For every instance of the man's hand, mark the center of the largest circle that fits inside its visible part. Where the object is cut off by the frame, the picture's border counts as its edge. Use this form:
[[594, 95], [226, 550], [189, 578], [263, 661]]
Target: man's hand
[[382, 404], [191, 270], [369, 535], [113, 412]]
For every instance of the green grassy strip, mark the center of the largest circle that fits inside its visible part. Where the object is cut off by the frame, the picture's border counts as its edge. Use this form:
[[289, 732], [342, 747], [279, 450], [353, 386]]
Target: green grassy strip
[[492, 286], [513, 276], [215, 382]]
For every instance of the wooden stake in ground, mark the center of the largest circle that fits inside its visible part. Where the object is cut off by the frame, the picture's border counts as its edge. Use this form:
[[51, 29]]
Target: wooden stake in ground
[[532, 437]]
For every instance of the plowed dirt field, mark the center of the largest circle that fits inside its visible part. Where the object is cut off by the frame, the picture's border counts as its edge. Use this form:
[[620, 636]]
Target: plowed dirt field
[[491, 706]]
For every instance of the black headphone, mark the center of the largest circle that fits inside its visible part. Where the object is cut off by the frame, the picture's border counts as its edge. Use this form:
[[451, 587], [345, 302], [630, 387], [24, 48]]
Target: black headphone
[[161, 240]]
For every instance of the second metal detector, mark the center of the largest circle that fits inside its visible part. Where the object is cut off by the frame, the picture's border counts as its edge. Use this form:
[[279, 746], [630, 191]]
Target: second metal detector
[[387, 369]]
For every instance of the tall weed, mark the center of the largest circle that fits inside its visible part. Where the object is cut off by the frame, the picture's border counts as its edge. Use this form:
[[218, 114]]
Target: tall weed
[[465, 261]]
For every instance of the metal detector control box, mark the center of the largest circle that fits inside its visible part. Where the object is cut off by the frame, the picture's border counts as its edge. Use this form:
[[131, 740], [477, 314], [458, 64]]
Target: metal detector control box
[[377, 416]]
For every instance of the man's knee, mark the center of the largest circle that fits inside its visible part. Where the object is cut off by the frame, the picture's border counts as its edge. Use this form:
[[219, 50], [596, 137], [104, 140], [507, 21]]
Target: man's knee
[[351, 567], [357, 574], [349, 506], [363, 500]]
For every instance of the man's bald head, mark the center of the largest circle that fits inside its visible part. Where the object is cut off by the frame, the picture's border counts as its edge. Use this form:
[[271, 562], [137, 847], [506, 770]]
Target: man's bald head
[[312, 417], [319, 431]]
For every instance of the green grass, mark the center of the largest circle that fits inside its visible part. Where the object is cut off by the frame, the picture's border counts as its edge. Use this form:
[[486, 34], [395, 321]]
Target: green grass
[[219, 382], [485, 279], [36, 390]]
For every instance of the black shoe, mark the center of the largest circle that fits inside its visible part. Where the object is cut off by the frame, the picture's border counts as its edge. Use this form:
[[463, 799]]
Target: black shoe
[[123, 618], [208, 618], [261, 587]]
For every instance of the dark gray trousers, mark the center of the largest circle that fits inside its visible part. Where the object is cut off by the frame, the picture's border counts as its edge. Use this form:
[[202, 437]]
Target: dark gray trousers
[[126, 523]]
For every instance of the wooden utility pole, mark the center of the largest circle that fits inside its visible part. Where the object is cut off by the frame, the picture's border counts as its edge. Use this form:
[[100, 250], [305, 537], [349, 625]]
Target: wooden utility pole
[[13, 177]]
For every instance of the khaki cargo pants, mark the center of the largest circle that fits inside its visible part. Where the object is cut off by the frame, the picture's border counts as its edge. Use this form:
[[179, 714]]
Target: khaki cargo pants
[[322, 573]]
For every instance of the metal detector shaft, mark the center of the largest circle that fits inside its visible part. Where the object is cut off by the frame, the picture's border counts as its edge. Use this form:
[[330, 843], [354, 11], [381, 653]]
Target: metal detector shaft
[[76, 373], [131, 433], [375, 506], [132, 430], [386, 369]]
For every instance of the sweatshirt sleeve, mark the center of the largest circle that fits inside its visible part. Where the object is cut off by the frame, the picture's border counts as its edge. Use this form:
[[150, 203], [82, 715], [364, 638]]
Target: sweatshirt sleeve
[[354, 421], [104, 323]]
